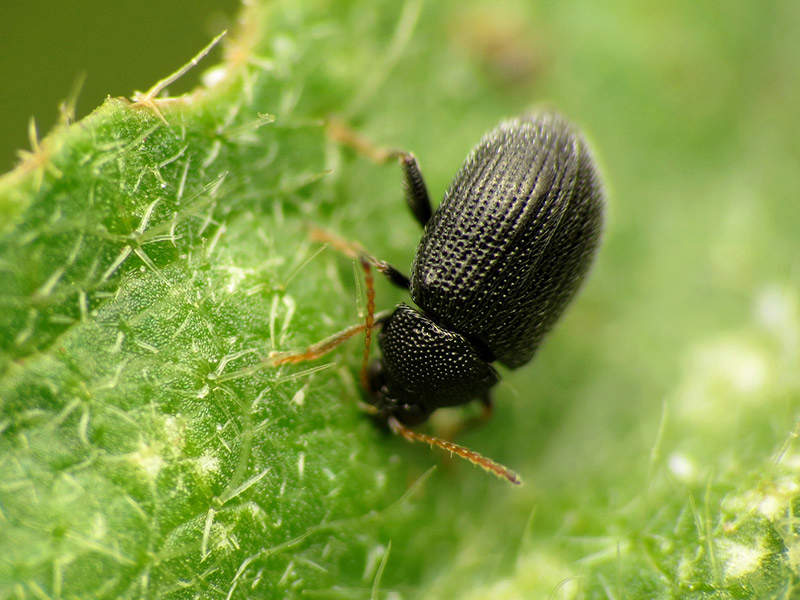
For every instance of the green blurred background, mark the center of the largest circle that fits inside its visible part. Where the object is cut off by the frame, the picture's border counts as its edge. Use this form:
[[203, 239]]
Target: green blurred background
[[47, 48]]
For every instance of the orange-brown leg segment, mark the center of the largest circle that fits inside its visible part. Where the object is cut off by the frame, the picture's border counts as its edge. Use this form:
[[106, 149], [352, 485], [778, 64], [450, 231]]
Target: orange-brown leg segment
[[317, 350], [417, 196], [340, 132], [470, 455], [370, 320], [323, 347], [354, 250]]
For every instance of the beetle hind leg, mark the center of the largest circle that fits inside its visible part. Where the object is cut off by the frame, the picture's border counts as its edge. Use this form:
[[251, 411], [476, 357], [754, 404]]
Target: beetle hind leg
[[465, 423], [417, 197]]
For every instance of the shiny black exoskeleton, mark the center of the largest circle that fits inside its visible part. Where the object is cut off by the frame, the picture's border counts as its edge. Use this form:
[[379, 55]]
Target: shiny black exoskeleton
[[500, 259]]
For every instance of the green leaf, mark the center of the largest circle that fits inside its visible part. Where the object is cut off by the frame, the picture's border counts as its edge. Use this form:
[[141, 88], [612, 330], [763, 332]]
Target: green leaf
[[154, 253]]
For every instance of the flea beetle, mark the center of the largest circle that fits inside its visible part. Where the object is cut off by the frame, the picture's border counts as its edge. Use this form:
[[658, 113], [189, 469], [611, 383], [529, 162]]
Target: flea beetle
[[499, 260]]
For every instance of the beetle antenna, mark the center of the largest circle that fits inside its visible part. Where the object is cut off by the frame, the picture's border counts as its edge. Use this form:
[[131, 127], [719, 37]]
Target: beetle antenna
[[475, 458]]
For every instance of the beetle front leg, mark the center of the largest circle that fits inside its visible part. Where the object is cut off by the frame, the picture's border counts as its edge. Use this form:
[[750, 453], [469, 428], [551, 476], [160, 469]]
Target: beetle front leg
[[277, 358]]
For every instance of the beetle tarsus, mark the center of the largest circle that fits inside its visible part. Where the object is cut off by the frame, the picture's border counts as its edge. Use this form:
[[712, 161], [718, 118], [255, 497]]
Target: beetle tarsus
[[487, 405], [342, 133]]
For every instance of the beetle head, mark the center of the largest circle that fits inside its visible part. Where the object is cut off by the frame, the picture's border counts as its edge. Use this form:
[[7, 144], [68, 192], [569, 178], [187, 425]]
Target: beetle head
[[388, 403]]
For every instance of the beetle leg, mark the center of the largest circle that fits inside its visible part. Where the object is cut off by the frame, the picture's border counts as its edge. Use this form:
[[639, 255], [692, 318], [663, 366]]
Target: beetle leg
[[471, 422], [342, 133], [469, 455], [354, 250], [321, 348], [417, 196], [370, 320]]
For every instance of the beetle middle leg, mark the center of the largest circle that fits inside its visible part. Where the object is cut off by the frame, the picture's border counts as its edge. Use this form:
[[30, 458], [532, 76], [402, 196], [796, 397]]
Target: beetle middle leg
[[367, 261], [355, 251], [323, 347], [314, 351]]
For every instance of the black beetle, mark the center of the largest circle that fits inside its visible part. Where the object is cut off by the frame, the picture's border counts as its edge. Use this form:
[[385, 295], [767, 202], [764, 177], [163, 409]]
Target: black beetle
[[500, 259]]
